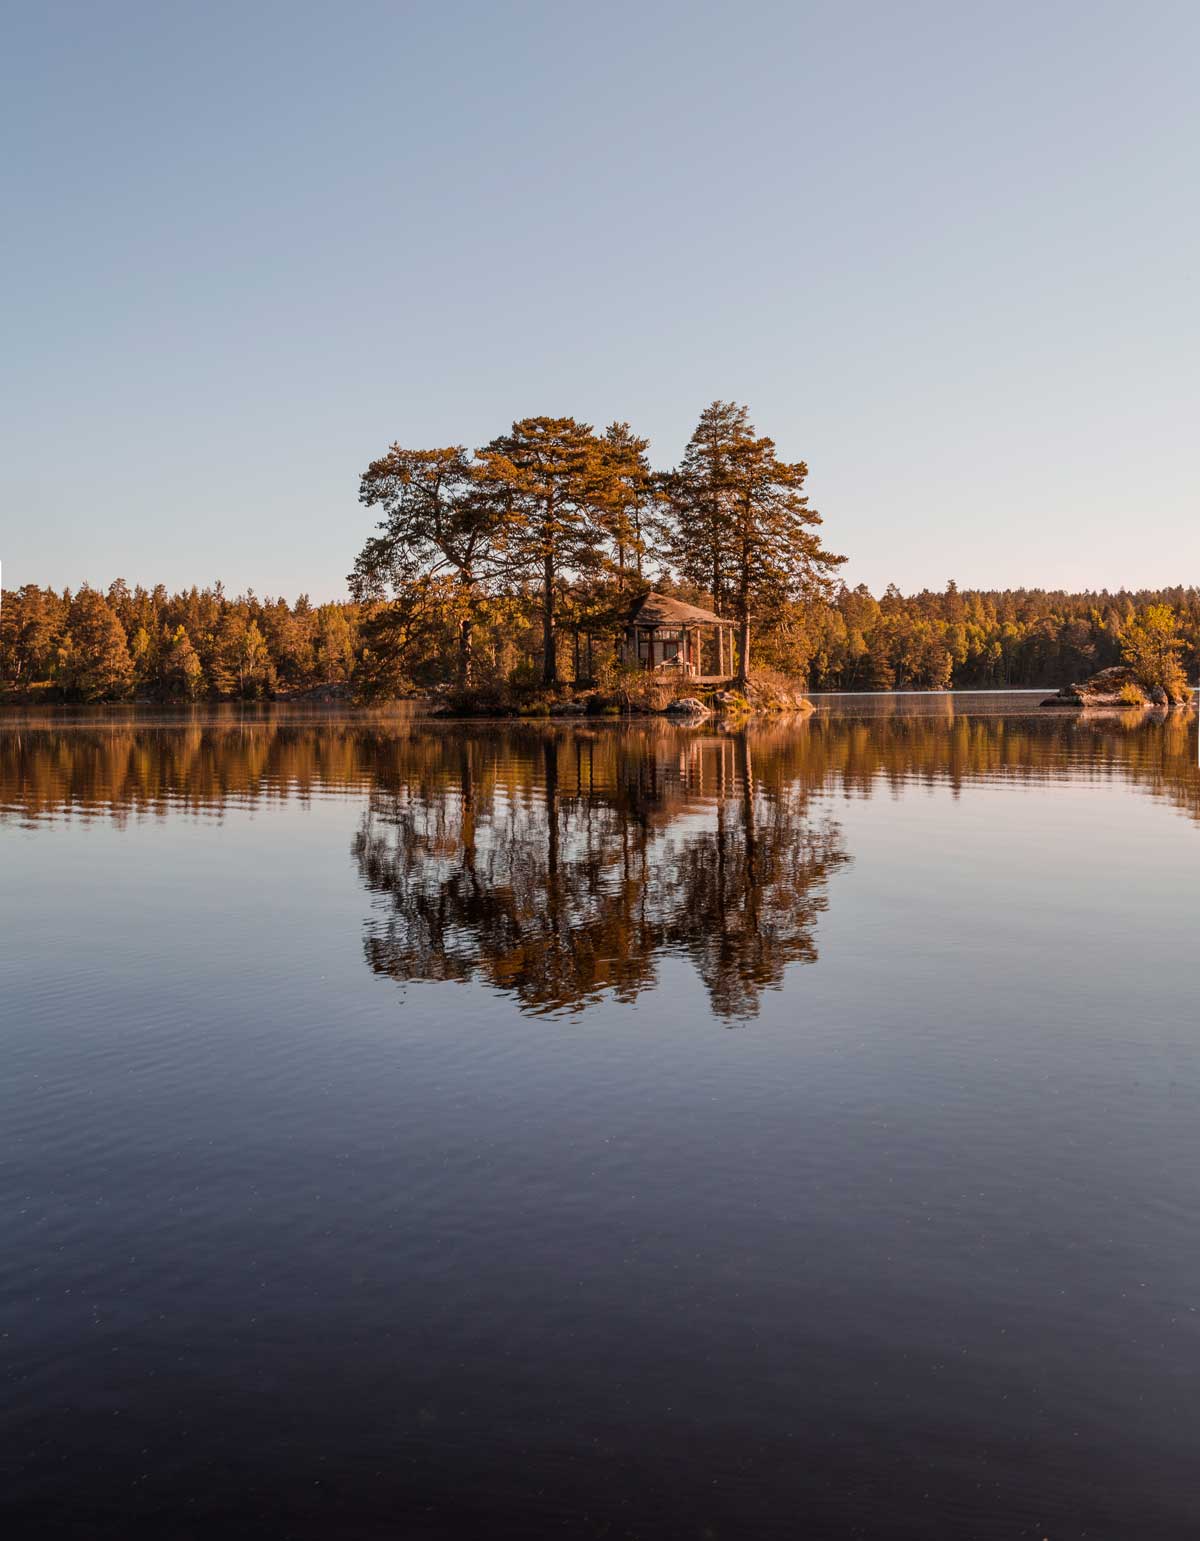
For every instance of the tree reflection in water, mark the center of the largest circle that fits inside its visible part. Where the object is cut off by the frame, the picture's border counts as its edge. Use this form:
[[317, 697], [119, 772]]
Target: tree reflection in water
[[560, 863], [561, 867]]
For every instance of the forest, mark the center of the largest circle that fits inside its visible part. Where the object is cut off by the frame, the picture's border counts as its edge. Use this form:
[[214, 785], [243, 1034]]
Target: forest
[[145, 644], [486, 568]]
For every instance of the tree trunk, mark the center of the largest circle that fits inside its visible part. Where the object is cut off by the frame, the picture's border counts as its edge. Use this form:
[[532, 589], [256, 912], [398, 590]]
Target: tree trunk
[[549, 660], [744, 651], [465, 629]]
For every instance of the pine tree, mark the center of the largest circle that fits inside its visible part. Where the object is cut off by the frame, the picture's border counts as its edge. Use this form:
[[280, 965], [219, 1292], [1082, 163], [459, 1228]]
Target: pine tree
[[552, 477], [700, 491], [98, 666], [181, 667], [241, 662], [624, 499], [335, 644], [30, 622], [437, 521], [142, 654], [742, 513]]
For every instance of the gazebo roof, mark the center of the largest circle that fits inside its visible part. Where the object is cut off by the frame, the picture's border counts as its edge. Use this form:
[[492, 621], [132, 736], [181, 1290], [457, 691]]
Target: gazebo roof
[[661, 610]]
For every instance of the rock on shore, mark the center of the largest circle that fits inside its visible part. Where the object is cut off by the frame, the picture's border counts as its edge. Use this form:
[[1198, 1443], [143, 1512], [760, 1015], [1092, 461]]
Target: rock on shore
[[1115, 687]]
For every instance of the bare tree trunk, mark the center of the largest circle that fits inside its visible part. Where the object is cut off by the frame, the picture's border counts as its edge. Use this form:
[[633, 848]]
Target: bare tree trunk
[[549, 659], [744, 651], [465, 629]]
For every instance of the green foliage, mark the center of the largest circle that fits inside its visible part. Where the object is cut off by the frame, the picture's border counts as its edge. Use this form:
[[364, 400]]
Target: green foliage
[[991, 639], [741, 525], [637, 690], [182, 647], [625, 501], [557, 484], [1150, 645], [183, 670], [852, 641], [556, 523], [438, 538], [95, 661]]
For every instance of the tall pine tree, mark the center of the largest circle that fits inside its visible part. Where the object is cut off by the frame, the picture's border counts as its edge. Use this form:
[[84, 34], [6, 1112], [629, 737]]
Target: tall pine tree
[[551, 477], [742, 523], [438, 522]]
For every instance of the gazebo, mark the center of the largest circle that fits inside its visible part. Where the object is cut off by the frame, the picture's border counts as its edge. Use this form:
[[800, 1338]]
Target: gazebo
[[662, 633]]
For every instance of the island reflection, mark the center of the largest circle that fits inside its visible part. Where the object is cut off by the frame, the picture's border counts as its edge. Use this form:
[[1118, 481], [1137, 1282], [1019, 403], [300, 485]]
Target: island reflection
[[559, 863], [561, 868], [203, 764]]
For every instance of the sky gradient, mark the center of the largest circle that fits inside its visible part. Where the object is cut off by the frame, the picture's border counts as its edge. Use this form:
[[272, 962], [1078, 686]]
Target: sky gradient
[[947, 253]]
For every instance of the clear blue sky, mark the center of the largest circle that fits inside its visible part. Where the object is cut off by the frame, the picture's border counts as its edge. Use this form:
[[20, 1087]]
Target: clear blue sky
[[947, 253]]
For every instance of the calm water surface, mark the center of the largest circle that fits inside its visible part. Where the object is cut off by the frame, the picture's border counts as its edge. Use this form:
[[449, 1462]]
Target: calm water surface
[[434, 1130]]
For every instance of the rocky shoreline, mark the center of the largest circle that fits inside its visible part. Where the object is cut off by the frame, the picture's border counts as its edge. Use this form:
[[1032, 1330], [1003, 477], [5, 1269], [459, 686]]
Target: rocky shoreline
[[1115, 689], [760, 698]]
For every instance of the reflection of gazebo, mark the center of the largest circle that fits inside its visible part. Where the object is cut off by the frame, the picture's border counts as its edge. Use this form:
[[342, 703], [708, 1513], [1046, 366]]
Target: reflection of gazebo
[[662, 633]]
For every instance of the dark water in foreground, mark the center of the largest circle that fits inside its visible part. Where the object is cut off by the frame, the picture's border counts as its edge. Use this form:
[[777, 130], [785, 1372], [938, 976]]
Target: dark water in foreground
[[494, 1131]]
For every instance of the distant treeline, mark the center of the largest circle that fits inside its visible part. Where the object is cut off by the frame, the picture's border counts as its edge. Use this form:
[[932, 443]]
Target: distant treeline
[[148, 644], [978, 638], [202, 644]]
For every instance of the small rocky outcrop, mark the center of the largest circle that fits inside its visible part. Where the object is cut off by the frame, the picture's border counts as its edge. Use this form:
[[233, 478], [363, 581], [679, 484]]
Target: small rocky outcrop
[[688, 706], [1117, 687]]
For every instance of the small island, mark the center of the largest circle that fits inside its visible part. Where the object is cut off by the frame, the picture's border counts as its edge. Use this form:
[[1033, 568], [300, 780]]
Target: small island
[[1151, 676], [555, 571]]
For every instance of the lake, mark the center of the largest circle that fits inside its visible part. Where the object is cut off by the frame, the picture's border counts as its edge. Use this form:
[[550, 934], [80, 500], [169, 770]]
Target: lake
[[417, 1129]]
